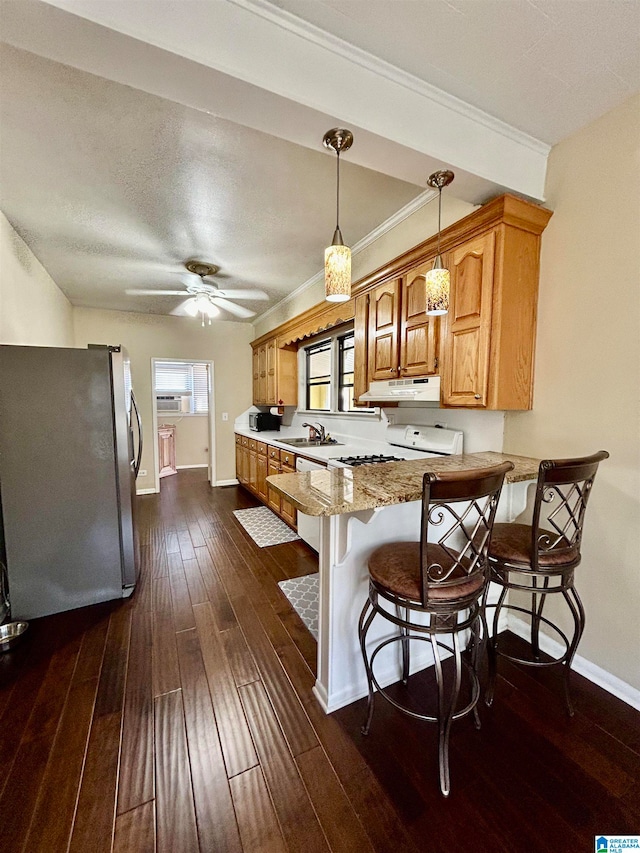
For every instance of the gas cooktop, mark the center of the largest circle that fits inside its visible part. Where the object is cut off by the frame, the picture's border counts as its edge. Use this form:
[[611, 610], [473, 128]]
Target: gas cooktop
[[373, 459]]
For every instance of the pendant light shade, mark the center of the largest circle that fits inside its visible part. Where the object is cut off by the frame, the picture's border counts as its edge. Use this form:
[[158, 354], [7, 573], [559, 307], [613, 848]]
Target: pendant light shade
[[438, 279], [337, 256]]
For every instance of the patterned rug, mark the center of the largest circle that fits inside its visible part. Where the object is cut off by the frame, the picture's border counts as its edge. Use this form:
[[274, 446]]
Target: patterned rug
[[264, 526], [303, 596]]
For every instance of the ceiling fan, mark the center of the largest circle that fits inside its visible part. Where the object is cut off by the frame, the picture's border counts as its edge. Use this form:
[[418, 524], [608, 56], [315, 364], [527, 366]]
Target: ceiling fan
[[204, 298]]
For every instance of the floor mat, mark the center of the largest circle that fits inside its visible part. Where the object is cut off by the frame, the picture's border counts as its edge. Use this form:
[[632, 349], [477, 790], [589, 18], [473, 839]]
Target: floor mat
[[303, 596], [264, 526]]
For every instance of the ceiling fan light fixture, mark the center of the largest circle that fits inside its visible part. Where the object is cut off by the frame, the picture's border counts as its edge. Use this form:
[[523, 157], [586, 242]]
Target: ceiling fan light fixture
[[191, 307], [438, 279], [337, 256]]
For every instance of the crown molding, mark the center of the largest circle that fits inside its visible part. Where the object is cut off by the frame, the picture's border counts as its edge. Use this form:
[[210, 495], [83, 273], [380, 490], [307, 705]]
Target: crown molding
[[291, 23]]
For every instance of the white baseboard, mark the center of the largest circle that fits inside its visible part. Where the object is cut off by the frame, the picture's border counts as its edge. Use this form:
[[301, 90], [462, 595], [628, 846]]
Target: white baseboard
[[611, 683], [146, 492], [233, 482], [200, 465]]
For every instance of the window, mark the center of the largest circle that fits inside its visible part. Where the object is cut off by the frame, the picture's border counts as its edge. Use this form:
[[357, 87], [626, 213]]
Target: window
[[190, 379], [329, 374], [319, 377]]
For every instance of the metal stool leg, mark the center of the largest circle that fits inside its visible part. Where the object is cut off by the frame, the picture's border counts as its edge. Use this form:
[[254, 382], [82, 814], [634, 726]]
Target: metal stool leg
[[577, 611], [536, 613], [492, 650], [363, 626], [478, 643], [406, 649]]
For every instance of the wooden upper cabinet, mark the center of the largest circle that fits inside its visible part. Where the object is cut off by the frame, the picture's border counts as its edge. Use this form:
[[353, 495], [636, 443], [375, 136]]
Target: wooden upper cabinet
[[490, 332], [401, 341], [275, 374], [361, 351], [419, 334], [384, 315], [466, 364]]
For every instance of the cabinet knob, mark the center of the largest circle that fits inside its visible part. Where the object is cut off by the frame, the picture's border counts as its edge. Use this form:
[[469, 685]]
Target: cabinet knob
[[476, 396], [392, 370]]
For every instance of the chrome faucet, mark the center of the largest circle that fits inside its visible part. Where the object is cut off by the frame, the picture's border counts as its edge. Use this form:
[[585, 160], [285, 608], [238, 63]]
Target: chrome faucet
[[318, 430]]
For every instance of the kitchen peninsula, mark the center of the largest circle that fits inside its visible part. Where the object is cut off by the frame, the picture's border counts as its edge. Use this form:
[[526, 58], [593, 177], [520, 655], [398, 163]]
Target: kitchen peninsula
[[361, 508]]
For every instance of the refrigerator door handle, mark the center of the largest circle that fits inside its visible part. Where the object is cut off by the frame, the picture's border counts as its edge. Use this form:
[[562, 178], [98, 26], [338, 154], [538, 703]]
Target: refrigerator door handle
[[136, 464]]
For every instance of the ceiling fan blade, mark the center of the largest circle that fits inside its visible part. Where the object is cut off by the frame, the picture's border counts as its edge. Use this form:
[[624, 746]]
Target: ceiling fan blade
[[243, 294], [232, 308], [155, 292]]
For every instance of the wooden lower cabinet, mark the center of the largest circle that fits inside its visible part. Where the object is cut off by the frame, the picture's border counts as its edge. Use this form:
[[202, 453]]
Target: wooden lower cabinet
[[273, 497], [255, 461], [262, 466]]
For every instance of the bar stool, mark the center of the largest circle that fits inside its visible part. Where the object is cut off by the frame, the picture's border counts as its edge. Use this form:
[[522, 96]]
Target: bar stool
[[443, 576], [541, 561]]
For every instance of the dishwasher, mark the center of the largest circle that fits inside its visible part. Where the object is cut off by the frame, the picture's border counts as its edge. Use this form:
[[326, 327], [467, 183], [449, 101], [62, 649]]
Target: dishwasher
[[309, 525]]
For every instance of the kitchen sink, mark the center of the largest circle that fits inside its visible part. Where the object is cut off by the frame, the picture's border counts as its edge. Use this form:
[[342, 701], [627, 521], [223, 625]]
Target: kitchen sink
[[304, 442]]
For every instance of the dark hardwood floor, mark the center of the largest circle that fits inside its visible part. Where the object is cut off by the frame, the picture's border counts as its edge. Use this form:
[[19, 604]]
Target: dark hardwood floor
[[183, 720]]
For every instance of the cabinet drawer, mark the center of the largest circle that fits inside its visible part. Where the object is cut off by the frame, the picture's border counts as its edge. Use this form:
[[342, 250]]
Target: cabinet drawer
[[238, 439], [288, 459], [245, 441], [273, 453], [252, 444], [262, 448]]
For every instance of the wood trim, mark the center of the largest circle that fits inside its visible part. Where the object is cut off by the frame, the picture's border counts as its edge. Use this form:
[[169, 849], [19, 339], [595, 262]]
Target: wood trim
[[311, 322], [508, 209]]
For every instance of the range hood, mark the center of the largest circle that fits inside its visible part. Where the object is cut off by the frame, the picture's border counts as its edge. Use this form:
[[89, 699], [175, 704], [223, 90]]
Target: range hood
[[396, 390]]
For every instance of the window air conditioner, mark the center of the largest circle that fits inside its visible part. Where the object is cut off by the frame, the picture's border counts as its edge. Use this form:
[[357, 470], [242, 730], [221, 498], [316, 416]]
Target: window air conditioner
[[176, 403]]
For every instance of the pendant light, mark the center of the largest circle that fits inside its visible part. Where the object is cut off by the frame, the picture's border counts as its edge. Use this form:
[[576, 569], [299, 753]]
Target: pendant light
[[438, 280], [337, 256]]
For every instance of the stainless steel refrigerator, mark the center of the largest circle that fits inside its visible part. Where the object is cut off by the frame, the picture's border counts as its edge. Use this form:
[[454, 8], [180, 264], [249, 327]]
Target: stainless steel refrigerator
[[70, 448]]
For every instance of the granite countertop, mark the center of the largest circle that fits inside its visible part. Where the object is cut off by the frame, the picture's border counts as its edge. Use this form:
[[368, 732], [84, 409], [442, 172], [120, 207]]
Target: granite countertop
[[340, 490], [348, 445]]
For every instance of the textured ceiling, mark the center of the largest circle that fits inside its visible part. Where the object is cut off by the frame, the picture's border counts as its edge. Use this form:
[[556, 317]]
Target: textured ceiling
[[134, 136], [114, 189]]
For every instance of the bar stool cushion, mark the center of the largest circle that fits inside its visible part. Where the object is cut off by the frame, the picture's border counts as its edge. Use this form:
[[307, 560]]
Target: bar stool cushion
[[511, 543], [396, 567]]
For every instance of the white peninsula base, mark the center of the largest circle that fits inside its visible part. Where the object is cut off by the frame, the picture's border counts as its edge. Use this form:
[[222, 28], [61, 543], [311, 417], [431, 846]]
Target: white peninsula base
[[346, 541]]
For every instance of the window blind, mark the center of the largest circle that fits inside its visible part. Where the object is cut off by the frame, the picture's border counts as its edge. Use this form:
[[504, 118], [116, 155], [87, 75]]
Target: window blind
[[184, 377]]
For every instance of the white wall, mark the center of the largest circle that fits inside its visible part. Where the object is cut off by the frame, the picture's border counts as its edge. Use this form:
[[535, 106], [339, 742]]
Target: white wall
[[33, 309], [587, 385], [148, 336], [192, 438]]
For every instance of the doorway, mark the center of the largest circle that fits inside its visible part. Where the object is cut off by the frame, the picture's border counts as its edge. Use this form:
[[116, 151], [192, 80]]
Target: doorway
[[183, 396]]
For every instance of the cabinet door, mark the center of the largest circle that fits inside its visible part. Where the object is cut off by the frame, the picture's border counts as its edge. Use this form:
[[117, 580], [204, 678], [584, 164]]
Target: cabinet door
[[271, 365], [252, 474], [273, 499], [287, 509], [419, 334], [360, 365], [261, 486], [238, 457], [466, 351], [383, 331], [256, 376], [262, 374]]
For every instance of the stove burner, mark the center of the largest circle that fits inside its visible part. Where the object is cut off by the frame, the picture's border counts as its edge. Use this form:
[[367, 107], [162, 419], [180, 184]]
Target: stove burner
[[368, 460]]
